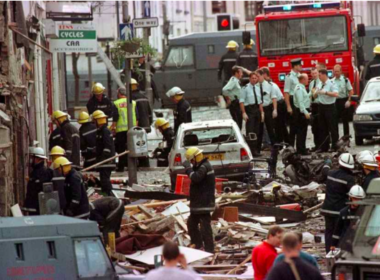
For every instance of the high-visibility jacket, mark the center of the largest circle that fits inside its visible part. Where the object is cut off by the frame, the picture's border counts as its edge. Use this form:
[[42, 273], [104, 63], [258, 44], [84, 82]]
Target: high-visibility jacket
[[122, 108]]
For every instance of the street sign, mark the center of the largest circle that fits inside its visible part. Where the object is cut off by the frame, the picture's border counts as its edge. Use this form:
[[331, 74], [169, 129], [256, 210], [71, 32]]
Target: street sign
[[126, 31], [80, 38], [145, 22], [146, 8]]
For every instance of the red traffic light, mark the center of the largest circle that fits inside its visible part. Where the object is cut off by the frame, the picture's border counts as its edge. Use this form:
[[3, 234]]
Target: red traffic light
[[225, 23]]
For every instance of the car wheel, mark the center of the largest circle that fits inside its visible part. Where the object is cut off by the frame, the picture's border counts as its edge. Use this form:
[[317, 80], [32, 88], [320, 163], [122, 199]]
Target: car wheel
[[359, 140]]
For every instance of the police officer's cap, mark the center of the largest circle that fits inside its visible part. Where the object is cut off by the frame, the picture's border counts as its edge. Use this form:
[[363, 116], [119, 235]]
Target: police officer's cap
[[296, 61]]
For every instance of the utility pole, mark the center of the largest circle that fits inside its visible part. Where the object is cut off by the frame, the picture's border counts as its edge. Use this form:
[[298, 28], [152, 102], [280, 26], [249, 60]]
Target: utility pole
[[204, 16], [89, 58], [109, 83], [117, 19], [166, 28]]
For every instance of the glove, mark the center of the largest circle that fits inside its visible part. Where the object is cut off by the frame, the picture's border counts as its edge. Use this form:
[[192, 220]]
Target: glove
[[347, 104], [262, 117], [274, 114], [307, 116], [186, 164], [290, 110], [245, 117]]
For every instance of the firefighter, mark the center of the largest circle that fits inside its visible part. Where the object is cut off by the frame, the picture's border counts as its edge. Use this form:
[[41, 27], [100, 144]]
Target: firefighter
[[202, 198], [373, 67], [121, 139], [70, 138], [77, 202], [327, 94], [57, 179], [55, 138], [252, 110], [37, 177], [182, 114], [347, 215], [339, 183], [107, 212], [370, 169], [87, 133], [168, 133], [231, 92], [313, 85], [99, 101], [343, 101], [228, 61], [247, 58], [104, 149], [291, 81], [302, 102]]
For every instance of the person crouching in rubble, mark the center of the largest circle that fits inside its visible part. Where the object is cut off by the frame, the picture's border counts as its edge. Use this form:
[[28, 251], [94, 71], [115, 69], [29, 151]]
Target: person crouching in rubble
[[338, 184], [202, 198], [347, 214]]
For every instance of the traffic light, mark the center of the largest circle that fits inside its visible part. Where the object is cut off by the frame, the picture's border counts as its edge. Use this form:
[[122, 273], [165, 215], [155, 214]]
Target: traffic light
[[227, 22]]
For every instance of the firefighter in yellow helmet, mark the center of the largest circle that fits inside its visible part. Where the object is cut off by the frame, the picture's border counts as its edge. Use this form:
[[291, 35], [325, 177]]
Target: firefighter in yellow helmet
[[58, 180], [55, 136], [202, 198], [87, 133], [182, 114], [56, 152], [228, 61], [77, 205], [104, 149], [248, 59], [373, 67], [167, 132], [70, 137]]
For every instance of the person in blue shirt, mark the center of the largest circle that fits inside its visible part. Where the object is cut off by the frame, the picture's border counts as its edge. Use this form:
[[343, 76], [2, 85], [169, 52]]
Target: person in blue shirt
[[303, 255]]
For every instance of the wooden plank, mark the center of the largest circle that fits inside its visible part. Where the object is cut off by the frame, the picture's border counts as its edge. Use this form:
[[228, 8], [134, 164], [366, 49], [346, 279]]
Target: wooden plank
[[180, 222], [148, 213], [153, 204]]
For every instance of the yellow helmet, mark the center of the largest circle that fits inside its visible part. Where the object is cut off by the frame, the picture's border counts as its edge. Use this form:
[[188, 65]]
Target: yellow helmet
[[376, 49], [134, 82], [160, 123], [61, 162], [98, 88], [57, 151], [232, 45], [83, 117], [194, 153], [99, 117], [60, 116]]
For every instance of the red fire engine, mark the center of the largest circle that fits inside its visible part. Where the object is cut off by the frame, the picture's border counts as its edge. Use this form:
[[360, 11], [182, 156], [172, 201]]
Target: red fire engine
[[315, 32]]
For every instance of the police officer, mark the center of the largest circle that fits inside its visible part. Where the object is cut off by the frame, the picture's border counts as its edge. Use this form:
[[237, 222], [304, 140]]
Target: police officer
[[251, 107], [182, 113], [99, 101], [339, 183], [70, 138], [202, 198], [87, 133], [231, 92], [313, 86], [228, 61], [108, 213], [248, 59], [76, 196], [343, 101], [327, 94], [291, 80], [279, 115], [302, 102], [347, 215], [373, 67], [38, 176], [370, 169], [55, 138], [57, 179], [168, 133], [121, 138]]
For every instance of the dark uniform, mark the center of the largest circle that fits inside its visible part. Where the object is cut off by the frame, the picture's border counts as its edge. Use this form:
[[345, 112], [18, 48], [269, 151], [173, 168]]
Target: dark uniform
[[76, 196], [346, 216], [71, 143], [202, 203], [373, 68], [162, 160], [339, 183], [105, 149], [55, 138], [182, 114], [107, 212], [59, 185], [143, 110], [314, 112], [37, 178], [368, 178], [87, 134], [140, 78], [226, 63], [247, 58], [106, 106], [280, 129]]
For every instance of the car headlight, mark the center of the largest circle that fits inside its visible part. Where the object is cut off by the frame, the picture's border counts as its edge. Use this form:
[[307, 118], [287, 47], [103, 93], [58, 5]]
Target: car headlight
[[362, 118]]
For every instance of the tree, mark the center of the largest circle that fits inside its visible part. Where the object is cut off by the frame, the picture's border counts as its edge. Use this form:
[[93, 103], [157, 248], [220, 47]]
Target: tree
[[75, 58]]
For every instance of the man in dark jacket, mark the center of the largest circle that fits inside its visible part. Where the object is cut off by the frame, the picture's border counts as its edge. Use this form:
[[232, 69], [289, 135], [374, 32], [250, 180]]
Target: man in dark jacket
[[87, 133], [248, 59], [57, 179], [77, 202], [105, 149], [373, 67], [202, 198], [37, 178], [107, 212], [228, 61], [168, 133], [55, 138], [370, 169], [182, 114], [339, 183]]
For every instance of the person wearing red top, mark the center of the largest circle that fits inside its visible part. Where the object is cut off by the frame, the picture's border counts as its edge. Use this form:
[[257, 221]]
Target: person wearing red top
[[264, 254]]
